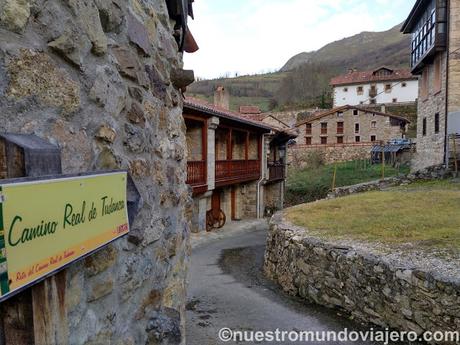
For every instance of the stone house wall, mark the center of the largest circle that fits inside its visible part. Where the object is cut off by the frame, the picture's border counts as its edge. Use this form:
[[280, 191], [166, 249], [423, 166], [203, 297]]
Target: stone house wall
[[383, 130], [93, 77], [194, 141], [359, 283], [273, 195], [430, 147]]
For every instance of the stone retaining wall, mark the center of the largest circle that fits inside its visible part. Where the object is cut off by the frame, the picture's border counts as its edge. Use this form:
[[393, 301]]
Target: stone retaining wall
[[331, 154], [433, 173], [361, 284]]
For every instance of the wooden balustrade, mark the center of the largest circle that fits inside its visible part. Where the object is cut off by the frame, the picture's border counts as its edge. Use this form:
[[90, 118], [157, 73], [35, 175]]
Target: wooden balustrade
[[276, 171], [196, 173], [234, 171]]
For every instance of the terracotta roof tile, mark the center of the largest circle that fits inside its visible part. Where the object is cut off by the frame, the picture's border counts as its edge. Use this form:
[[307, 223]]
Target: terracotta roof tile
[[249, 109], [371, 76], [217, 111]]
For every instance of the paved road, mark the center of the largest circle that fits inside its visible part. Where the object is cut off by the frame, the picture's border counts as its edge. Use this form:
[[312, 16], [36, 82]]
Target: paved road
[[227, 289]]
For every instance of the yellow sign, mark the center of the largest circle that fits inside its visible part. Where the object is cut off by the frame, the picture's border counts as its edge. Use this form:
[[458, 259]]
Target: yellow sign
[[47, 224]]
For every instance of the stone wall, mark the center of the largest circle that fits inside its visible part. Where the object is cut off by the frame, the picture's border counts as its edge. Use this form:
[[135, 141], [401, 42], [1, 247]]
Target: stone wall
[[430, 147], [360, 283], [273, 197], [249, 199], [93, 77], [369, 124], [432, 173], [298, 155]]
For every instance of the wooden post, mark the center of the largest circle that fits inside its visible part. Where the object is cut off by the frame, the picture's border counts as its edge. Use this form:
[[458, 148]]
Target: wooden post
[[36, 316], [334, 177], [383, 162], [454, 149]]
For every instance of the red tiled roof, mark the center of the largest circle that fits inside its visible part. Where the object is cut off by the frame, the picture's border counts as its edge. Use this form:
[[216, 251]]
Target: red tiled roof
[[371, 76], [214, 110], [255, 117], [211, 109], [249, 109], [322, 114]]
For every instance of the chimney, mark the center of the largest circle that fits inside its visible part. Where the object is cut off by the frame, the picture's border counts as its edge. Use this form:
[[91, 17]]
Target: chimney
[[222, 98]]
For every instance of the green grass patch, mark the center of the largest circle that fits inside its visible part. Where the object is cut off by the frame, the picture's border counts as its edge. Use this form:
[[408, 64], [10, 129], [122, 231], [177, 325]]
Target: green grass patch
[[310, 184], [423, 213]]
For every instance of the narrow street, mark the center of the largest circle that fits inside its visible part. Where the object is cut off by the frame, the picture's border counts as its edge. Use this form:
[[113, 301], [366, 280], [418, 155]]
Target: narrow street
[[227, 289]]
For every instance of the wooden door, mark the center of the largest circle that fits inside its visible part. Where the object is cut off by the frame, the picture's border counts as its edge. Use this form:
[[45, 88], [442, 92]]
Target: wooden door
[[215, 203]]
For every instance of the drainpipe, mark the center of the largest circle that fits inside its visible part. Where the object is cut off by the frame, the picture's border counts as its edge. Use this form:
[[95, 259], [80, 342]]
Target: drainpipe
[[262, 175], [446, 133]]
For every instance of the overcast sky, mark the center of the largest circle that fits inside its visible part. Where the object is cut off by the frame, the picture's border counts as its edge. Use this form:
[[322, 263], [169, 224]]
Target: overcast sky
[[252, 36]]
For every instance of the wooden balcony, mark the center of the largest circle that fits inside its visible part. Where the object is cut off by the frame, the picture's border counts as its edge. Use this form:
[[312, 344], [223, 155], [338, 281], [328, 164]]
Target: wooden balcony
[[196, 176], [276, 171], [236, 171]]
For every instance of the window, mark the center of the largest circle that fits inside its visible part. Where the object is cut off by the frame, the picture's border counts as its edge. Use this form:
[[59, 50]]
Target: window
[[374, 124], [324, 128], [424, 127], [424, 36], [404, 85], [387, 88], [323, 140], [308, 141], [355, 112], [395, 100], [373, 91], [339, 127], [339, 140], [345, 89], [373, 101], [437, 83], [357, 139], [360, 90], [356, 127], [373, 138], [436, 123], [340, 114], [308, 129]]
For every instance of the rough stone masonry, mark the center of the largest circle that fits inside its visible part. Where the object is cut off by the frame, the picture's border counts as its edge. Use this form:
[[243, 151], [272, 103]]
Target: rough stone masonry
[[398, 289], [93, 77]]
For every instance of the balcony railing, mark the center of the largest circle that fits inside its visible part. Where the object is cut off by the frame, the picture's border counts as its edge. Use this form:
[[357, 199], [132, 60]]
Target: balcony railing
[[196, 173], [276, 171], [373, 92], [234, 171]]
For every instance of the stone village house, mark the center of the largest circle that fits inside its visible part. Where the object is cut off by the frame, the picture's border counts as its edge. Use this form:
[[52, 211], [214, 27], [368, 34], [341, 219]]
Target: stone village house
[[348, 132], [102, 80], [236, 166], [435, 58], [381, 86]]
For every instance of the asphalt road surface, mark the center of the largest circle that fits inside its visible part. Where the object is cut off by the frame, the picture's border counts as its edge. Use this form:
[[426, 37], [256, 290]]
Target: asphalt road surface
[[227, 289]]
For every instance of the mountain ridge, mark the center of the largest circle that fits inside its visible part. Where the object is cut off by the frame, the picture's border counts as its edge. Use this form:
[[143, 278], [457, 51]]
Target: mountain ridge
[[304, 80]]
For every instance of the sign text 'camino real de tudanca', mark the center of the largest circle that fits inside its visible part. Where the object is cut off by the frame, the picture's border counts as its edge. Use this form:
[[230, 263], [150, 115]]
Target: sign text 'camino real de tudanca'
[[47, 224]]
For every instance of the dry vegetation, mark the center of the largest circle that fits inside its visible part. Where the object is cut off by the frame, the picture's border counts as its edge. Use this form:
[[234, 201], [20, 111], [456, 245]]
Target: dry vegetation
[[426, 214]]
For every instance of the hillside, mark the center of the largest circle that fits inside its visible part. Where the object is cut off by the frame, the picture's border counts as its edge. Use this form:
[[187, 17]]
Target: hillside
[[366, 50], [308, 86]]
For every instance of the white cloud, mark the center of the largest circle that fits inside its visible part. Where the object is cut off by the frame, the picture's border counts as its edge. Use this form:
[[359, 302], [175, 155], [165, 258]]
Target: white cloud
[[259, 35]]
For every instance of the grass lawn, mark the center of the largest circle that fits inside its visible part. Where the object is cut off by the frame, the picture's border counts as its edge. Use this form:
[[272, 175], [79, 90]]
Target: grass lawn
[[312, 184], [427, 214]]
